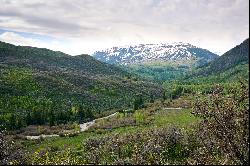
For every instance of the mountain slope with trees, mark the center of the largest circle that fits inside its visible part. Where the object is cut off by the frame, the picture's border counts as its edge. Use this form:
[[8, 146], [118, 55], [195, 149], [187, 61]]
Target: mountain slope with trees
[[157, 61], [238, 55], [40, 86]]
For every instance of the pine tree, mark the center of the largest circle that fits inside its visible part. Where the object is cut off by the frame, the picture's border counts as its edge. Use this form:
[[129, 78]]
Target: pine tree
[[12, 121], [81, 113], [28, 118], [51, 118], [138, 103], [164, 96], [89, 114], [151, 98]]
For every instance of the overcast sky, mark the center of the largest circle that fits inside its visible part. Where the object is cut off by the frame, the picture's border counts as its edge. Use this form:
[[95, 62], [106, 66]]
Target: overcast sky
[[83, 26]]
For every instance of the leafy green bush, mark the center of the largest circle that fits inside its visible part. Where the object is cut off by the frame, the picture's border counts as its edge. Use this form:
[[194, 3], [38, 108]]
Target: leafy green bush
[[177, 92], [139, 117], [224, 131], [156, 146]]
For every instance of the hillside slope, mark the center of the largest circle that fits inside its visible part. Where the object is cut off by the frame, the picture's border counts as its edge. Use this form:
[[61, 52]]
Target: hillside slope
[[238, 55], [231, 66], [41, 79]]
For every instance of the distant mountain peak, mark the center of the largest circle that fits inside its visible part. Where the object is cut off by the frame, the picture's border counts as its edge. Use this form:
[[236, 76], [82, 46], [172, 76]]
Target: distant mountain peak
[[147, 53]]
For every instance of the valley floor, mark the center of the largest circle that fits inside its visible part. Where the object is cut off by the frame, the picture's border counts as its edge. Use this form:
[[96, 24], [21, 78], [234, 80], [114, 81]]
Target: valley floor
[[192, 129], [157, 115]]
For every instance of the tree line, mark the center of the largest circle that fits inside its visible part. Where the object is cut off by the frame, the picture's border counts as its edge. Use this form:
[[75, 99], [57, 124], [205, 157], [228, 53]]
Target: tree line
[[18, 112]]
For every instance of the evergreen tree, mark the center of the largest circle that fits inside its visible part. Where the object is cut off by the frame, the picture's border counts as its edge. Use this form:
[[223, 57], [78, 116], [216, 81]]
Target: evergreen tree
[[28, 118], [81, 113], [12, 122], [52, 118], [89, 113], [164, 96], [138, 103], [151, 98]]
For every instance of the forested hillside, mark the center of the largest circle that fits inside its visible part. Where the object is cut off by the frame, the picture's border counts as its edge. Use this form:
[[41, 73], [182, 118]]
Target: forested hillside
[[232, 59], [40, 86]]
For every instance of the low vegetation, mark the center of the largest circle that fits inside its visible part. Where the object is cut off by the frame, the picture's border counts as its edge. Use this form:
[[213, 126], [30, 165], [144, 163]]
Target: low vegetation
[[213, 130]]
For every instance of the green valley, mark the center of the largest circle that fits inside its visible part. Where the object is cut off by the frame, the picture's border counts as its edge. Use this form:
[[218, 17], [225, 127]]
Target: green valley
[[39, 86], [159, 113], [114, 82]]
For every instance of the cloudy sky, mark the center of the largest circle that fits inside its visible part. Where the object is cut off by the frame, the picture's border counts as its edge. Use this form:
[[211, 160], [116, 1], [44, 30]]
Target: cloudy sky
[[83, 26]]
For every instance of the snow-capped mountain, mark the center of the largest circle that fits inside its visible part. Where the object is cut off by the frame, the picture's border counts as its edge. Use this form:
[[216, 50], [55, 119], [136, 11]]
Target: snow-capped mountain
[[147, 53]]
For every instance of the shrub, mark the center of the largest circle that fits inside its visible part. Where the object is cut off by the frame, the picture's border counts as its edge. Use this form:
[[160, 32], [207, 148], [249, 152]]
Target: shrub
[[224, 131], [177, 92], [10, 153], [155, 146], [139, 117]]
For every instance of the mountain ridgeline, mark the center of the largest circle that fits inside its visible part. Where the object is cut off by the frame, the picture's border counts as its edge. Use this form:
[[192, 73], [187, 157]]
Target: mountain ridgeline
[[40, 82], [157, 61], [238, 55], [231, 66], [149, 53]]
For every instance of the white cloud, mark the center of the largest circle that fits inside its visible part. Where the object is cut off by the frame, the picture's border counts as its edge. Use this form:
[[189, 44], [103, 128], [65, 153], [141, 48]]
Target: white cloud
[[213, 24], [72, 47], [16, 39]]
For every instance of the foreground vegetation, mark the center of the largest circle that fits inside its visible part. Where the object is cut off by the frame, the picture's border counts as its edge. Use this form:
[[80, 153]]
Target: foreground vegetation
[[212, 130]]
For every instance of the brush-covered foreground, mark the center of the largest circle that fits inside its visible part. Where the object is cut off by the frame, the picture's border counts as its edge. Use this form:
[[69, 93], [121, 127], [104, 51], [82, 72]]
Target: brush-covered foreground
[[210, 129]]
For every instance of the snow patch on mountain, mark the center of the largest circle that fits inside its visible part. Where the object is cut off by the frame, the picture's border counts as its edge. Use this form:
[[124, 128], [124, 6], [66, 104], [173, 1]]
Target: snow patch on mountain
[[144, 53]]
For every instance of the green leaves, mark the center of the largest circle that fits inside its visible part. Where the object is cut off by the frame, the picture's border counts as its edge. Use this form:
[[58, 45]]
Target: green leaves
[[224, 131]]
